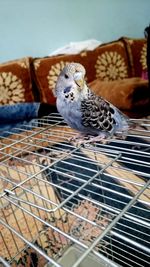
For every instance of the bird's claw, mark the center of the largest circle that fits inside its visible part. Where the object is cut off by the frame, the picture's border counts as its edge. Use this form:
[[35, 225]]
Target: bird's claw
[[92, 140], [77, 137], [86, 139]]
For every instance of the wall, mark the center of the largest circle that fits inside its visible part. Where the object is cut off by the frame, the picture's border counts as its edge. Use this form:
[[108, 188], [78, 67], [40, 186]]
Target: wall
[[37, 27]]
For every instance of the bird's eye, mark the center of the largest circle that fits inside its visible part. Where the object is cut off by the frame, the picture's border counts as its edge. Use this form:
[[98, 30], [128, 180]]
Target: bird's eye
[[66, 76]]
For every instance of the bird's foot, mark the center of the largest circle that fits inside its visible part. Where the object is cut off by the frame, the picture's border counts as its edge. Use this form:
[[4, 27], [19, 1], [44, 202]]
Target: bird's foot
[[78, 137], [88, 139], [100, 138], [82, 139]]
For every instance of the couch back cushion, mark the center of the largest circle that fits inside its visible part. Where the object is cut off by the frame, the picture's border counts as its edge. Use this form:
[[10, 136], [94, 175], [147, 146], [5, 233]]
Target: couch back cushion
[[127, 94], [108, 62], [137, 51], [15, 82]]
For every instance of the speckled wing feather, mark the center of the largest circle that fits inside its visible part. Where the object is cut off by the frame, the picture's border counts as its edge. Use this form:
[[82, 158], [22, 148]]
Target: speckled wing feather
[[97, 113]]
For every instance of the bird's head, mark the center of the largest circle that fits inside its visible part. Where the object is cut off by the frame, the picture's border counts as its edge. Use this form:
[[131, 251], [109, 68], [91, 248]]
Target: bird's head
[[71, 78]]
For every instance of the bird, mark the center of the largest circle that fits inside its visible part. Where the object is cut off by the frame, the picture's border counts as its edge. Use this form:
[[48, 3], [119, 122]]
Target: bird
[[83, 110]]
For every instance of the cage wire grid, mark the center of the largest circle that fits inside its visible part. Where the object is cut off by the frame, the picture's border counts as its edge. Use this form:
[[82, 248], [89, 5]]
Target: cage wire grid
[[59, 197]]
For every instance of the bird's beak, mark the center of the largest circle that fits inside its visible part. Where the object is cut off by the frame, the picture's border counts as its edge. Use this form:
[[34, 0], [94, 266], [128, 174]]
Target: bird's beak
[[79, 79]]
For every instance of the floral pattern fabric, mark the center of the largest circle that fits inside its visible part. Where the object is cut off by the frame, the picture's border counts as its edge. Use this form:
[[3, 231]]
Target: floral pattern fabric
[[15, 82], [11, 89], [111, 66]]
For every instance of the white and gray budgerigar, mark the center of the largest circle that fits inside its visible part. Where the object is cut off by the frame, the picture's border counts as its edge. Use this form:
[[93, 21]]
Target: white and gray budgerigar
[[83, 110]]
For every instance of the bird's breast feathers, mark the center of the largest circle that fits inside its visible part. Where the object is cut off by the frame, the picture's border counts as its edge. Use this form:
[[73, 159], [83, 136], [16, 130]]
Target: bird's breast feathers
[[71, 111]]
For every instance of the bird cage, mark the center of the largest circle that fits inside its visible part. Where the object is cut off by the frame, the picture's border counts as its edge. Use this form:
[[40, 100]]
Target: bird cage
[[65, 203]]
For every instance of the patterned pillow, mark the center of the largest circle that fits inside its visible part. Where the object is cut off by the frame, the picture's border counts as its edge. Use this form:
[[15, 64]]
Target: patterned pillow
[[15, 82], [137, 50], [112, 62], [107, 62]]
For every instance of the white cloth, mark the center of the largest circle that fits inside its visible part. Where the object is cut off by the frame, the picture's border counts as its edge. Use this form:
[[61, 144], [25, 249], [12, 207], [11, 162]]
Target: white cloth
[[76, 47]]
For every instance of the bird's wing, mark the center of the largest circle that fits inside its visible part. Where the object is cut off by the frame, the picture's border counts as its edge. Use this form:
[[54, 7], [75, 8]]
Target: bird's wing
[[98, 113]]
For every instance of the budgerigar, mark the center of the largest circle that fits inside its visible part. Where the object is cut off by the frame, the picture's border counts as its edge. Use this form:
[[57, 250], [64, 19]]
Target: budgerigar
[[82, 109]]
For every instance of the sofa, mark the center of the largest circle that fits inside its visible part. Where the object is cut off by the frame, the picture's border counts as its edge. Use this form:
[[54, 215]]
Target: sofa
[[116, 70]]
